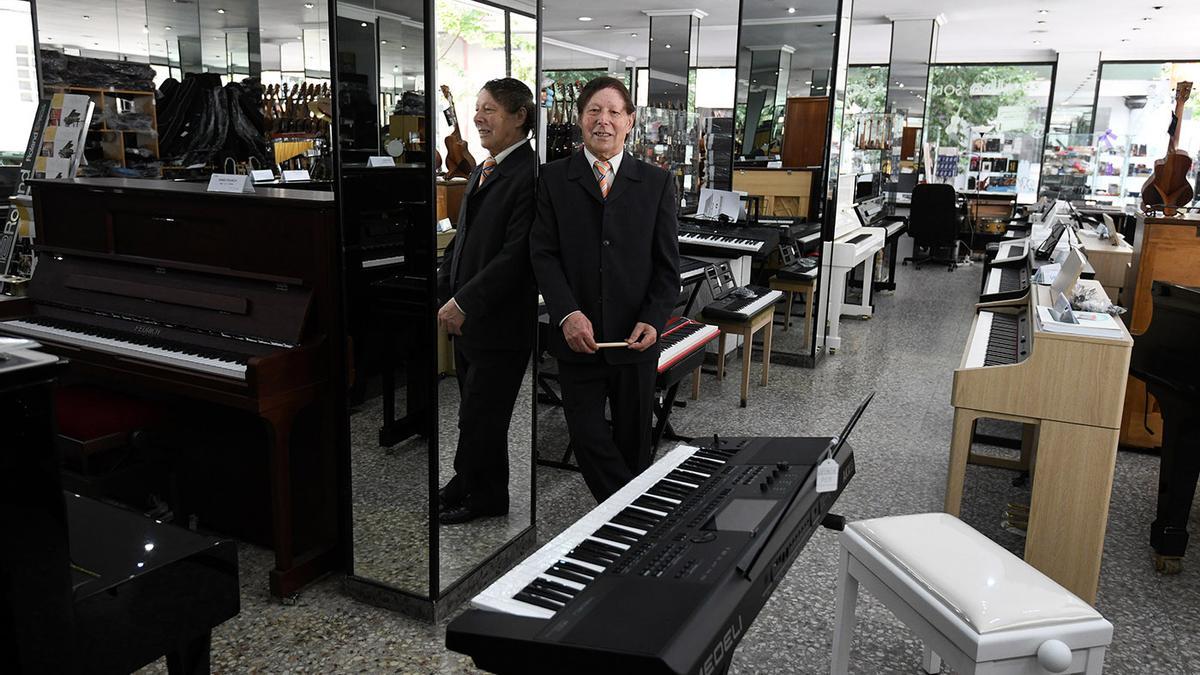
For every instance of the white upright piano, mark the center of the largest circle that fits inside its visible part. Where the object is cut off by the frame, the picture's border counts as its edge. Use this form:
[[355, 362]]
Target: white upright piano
[[853, 245]]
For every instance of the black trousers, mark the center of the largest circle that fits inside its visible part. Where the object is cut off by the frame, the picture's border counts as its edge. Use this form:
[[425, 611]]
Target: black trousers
[[609, 458], [488, 384]]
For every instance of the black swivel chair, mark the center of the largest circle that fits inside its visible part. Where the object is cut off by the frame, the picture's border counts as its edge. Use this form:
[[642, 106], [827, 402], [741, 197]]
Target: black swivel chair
[[934, 224]]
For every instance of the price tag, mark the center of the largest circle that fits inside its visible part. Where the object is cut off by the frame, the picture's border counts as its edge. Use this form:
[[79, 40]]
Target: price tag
[[379, 161], [262, 175], [228, 182], [296, 176], [827, 476]]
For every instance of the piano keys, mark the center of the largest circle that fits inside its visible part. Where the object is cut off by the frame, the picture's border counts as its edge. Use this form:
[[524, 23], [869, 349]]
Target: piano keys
[[664, 576], [690, 269], [1070, 389], [1005, 283], [718, 241], [165, 289], [1165, 358], [682, 343], [741, 303]]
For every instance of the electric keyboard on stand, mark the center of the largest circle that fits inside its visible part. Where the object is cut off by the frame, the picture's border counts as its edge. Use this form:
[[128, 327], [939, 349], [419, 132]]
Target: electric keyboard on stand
[[682, 343], [164, 289], [853, 245], [878, 213], [1067, 390], [741, 303], [718, 241], [667, 574]]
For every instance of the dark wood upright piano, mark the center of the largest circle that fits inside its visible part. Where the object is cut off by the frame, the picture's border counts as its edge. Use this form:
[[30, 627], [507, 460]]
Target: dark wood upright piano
[[230, 299]]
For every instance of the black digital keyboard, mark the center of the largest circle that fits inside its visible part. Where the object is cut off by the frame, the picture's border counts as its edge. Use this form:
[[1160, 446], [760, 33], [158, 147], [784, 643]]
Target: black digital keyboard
[[667, 574], [741, 303]]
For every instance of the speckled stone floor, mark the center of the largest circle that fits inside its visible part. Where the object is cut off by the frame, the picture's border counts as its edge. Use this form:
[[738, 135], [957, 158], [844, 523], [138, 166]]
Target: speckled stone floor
[[906, 354]]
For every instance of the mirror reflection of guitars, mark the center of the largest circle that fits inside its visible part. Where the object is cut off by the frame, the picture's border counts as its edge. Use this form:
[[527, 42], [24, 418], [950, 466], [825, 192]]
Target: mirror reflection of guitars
[[1168, 188], [459, 161]]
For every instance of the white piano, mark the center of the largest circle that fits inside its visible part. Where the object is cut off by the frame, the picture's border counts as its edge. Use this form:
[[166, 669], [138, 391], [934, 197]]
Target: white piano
[[853, 245]]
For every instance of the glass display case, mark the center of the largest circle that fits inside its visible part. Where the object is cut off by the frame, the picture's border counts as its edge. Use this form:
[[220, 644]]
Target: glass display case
[[670, 139], [1097, 167]]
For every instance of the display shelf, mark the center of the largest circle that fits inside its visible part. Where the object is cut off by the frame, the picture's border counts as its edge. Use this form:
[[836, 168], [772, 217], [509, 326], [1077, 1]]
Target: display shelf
[[670, 139], [123, 147]]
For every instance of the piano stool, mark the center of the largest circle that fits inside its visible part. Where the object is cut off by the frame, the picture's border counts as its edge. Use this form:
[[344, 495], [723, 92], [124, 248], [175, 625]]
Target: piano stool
[[791, 287], [764, 320], [970, 601], [92, 420]]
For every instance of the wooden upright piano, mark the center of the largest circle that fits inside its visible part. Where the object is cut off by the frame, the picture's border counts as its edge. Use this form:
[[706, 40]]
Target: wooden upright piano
[[230, 299]]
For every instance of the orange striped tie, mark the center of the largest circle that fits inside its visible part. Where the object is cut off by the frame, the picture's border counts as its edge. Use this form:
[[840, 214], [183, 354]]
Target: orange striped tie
[[603, 169], [489, 165]]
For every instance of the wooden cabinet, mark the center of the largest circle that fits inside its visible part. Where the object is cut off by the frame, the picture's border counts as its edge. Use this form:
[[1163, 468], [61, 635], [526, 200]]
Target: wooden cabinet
[[786, 192], [804, 131]]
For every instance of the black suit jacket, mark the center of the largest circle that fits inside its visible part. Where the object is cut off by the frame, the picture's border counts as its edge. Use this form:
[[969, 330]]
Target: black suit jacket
[[617, 260], [486, 266]]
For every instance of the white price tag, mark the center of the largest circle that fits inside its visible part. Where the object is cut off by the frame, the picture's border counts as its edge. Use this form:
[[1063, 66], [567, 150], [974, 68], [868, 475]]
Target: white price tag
[[262, 175], [827, 476], [380, 161], [228, 182], [296, 176]]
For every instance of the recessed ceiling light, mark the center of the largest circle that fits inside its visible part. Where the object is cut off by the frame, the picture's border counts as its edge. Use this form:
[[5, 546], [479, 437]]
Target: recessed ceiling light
[[606, 26], [1124, 39], [1145, 18], [791, 10], [900, 84], [167, 28], [668, 46], [633, 35], [403, 46], [220, 10], [1041, 21], [300, 38], [363, 24], [86, 17], [1043, 11], [383, 42], [808, 82], [308, 5], [585, 18], [685, 51], [1158, 6], [833, 34]]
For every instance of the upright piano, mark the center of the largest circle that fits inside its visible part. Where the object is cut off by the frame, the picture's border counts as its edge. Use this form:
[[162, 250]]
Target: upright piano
[[230, 299], [1069, 390], [852, 245], [1166, 359]]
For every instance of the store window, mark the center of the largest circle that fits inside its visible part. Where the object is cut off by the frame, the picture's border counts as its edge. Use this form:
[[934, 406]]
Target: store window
[[986, 125], [866, 89], [1133, 110], [18, 79]]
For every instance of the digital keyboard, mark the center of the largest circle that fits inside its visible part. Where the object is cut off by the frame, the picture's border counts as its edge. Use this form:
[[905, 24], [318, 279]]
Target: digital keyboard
[[713, 238], [999, 339], [741, 303], [1005, 283], [690, 268], [682, 337], [667, 574], [1009, 251]]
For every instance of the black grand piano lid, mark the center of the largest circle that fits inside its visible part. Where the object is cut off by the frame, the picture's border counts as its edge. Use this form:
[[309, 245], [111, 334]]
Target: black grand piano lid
[[1167, 353]]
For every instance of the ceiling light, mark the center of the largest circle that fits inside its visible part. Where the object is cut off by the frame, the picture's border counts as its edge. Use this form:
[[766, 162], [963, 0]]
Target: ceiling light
[[220, 11], [685, 51], [606, 26], [791, 10], [1145, 18], [900, 84], [1043, 12], [808, 82], [1041, 21], [403, 46], [668, 46], [833, 34], [585, 18], [167, 28], [383, 42], [1124, 39], [308, 5], [633, 35], [363, 24], [300, 38], [86, 17]]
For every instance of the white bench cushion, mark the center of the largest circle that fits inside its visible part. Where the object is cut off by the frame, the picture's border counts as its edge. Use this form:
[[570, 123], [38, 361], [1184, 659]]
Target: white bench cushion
[[981, 582]]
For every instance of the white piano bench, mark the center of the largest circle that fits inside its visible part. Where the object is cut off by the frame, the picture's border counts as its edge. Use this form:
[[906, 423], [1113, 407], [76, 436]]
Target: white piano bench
[[970, 601]]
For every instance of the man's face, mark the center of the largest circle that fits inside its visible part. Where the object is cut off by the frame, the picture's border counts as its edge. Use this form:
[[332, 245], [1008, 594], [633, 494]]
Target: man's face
[[605, 123], [498, 128]]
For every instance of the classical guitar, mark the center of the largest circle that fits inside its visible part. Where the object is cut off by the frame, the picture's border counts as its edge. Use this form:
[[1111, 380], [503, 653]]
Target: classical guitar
[[1168, 188], [459, 161]]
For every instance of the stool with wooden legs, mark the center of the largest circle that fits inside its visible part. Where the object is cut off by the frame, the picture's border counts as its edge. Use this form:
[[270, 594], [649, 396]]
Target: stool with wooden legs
[[762, 320], [791, 287]]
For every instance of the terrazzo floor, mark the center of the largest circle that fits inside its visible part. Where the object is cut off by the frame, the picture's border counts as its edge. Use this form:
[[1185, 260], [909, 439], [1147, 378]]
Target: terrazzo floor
[[906, 354]]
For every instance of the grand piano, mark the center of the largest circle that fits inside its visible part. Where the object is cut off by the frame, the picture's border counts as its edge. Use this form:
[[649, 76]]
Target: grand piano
[[229, 299]]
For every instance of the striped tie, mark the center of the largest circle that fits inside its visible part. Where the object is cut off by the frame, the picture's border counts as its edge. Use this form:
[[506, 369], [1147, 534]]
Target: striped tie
[[603, 171], [489, 165]]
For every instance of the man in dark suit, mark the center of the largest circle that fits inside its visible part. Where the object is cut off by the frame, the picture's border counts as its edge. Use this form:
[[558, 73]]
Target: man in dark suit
[[487, 286], [606, 258]]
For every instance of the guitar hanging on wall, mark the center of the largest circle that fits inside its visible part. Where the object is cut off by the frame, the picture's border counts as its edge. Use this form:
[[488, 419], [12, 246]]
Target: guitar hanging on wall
[[459, 161], [1167, 188]]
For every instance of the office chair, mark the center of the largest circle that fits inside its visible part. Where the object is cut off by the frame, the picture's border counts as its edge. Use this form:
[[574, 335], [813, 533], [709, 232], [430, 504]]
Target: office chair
[[933, 224]]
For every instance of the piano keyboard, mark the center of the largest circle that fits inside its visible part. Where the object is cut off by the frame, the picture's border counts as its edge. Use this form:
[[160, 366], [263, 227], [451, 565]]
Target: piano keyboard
[[1006, 280], [721, 241], [546, 581], [999, 339], [733, 307], [1012, 250], [166, 352], [682, 337]]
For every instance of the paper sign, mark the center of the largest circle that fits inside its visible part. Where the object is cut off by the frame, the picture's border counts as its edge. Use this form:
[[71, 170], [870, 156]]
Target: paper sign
[[296, 176], [379, 161], [228, 182], [827, 475], [262, 175]]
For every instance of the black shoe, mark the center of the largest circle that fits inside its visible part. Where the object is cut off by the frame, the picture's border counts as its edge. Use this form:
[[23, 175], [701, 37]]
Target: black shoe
[[469, 511], [452, 496]]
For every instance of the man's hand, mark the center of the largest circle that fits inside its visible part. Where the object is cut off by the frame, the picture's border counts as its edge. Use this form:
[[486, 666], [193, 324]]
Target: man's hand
[[450, 318], [642, 338], [577, 330]]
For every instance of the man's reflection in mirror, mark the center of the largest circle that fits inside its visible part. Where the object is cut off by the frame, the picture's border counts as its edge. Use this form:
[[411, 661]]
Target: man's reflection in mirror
[[486, 286]]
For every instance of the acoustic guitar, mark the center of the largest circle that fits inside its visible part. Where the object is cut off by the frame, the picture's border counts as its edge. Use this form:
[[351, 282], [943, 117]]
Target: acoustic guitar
[[1167, 188], [459, 161]]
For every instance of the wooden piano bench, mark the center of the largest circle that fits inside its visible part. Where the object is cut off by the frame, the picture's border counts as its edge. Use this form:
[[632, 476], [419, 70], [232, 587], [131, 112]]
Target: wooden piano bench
[[92, 420], [970, 601], [791, 287], [764, 320]]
